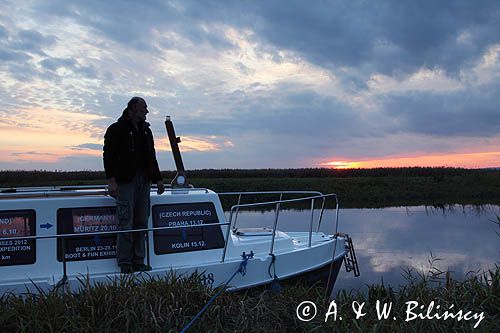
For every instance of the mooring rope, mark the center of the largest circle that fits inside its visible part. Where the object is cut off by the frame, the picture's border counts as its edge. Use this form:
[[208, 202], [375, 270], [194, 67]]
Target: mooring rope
[[242, 268], [273, 265], [275, 286]]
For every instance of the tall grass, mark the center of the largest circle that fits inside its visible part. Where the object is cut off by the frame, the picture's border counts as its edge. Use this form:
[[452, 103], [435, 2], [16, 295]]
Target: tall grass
[[166, 305], [17, 176]]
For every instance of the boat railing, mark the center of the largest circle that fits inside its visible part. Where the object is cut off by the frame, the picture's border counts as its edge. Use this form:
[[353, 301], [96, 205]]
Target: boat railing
[[64, 237], [267, 193], [233, 212], [277, 206], [74, 191]]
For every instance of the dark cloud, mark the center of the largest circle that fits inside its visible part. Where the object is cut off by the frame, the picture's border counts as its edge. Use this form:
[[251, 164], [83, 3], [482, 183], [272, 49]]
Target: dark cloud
[[388, 36], [323, 34], [54, 63], [31, 41], [286, 110], [18, 50], [302, 114], [12, 50], [134, 23], [22, 71], [20, 66], [3, 32], [280, 126], [74, 162], [36, 153], [88, 146], [474, 112], [10, 55]]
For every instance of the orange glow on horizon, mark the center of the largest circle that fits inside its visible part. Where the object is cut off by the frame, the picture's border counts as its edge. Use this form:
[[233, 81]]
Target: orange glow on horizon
[[47, 135], [461, 160], [342, 165]]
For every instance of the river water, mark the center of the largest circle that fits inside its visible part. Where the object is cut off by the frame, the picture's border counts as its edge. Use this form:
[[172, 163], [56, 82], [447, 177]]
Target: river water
[[389, 241]]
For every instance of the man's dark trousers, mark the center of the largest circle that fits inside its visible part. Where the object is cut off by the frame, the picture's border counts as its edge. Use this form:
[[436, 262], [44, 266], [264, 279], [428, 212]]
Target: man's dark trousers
[[132, 208]]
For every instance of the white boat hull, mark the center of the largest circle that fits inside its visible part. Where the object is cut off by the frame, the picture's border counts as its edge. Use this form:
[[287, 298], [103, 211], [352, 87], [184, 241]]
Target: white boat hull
[[30, 265]]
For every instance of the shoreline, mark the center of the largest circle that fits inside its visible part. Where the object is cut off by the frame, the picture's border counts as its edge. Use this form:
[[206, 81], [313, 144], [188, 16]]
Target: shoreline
[[356, 188]]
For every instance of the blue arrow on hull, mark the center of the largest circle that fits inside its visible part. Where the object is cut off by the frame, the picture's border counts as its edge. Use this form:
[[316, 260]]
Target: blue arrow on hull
[[46, 226]]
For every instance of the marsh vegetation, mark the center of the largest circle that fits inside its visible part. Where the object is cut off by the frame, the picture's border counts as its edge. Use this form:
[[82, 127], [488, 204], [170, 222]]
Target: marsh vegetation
[[356, 188], [167, 305]]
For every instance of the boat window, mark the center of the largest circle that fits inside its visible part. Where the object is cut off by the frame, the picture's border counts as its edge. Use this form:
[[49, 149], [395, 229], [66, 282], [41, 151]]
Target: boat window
[[14, 224], [86, 220], [186, 239]]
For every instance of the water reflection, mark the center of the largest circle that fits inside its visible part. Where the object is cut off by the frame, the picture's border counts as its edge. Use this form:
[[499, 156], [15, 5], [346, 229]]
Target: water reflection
[[389, 240]]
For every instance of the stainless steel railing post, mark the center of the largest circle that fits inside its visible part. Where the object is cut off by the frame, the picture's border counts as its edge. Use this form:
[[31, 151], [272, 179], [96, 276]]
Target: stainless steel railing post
[[276, 216], [227, 235], [237, 210], [311, 224], [321, 214], [336, 215]]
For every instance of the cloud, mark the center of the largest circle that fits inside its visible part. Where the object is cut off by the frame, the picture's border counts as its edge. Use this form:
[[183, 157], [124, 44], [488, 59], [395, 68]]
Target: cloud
[[54, 63], [195, 144], [151, 18], [89, 146], [69, 64], [391, 37], [3, 32], [24, 153], [47, 132], [32, 41], [471, 113], [257, 84], [10, 55]]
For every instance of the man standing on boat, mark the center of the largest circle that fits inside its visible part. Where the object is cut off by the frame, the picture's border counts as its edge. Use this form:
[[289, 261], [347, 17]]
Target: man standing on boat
[[131, 166]]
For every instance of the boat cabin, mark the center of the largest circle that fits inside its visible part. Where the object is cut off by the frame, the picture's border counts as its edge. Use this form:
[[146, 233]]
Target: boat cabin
[[76, 228]]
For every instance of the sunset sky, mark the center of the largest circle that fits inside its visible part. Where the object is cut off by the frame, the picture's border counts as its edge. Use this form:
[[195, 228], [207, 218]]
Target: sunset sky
[[254, 84]]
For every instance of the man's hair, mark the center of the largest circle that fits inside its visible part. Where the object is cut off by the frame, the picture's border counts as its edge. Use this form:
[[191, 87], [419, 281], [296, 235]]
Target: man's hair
[[133, 101]]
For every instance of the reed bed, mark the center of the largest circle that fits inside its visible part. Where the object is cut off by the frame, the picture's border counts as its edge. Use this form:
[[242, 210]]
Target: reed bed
[[165, 305], [357, 188]]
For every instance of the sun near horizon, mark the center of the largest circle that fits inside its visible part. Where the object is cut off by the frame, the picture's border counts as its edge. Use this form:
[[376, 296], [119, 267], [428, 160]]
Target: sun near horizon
[[457, 160]]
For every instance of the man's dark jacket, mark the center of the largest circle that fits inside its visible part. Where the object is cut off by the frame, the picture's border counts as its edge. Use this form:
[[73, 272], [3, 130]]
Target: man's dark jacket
[[126, 149]]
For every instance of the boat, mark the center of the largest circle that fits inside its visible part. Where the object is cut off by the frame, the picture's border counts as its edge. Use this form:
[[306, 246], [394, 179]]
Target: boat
[[60, 236]]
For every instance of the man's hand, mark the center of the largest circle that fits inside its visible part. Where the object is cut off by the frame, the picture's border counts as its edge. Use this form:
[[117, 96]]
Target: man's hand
[[161, 187], [113, 187]]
